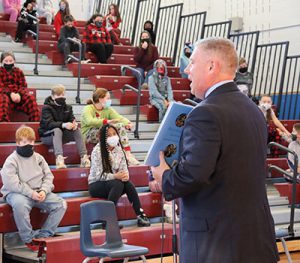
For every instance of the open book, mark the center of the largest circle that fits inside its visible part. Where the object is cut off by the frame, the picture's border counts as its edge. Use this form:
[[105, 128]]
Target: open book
[[168, 135]]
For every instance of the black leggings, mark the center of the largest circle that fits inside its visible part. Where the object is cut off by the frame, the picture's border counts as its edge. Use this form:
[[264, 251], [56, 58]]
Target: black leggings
[[114, 189], [102, 51]]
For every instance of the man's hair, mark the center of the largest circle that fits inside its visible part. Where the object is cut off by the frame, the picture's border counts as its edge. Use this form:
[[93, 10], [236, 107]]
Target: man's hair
[[297, 127], [242, 61], [224, 49], [25, 132], [58, 89], [68, 18]]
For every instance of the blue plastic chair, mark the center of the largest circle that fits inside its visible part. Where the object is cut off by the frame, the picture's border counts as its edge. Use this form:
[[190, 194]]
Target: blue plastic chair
[[97, 211]]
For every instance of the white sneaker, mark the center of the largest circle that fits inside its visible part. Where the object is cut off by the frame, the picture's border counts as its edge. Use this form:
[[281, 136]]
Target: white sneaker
[[85, 161], [168, 213], [85, 61], [60, 162]]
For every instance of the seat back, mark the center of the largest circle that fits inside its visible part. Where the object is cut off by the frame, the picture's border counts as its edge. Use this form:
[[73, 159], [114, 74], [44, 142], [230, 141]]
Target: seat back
[[97, 211]]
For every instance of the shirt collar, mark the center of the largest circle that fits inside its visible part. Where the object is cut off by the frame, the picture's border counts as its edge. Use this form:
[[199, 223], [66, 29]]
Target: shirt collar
[[212, 88]]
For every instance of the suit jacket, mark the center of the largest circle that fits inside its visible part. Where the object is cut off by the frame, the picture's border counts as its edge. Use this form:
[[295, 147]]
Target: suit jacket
[[220, 178]]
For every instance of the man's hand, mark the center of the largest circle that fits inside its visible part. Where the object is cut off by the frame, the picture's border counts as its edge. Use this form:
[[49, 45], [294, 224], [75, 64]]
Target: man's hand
[[68, 125], [159, 170], [75, 125], [36, 196], [42, 196]]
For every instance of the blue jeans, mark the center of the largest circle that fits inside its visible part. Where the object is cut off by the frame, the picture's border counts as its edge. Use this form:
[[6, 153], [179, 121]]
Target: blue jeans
[[149, 73], [22, 205]]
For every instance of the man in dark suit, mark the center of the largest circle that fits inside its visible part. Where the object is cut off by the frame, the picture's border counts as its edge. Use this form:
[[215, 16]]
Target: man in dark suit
[[220, 175]]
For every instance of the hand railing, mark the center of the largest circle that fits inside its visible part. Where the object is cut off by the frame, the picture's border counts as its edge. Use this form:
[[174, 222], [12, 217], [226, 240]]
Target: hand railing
[[138, 76], [36, 35], [77, 42]]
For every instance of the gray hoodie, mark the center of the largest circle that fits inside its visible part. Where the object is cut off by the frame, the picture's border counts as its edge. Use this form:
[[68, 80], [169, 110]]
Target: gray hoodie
[[25, 175]]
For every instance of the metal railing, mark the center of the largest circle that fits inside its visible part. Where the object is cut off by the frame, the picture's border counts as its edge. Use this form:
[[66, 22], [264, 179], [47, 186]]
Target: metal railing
[[36, 35], [77, 42], [220, 29], [287, 232], [168, 26], [137, 90], [270, 70], [128, 9], [191, 30], [246, 46], [290, 108]]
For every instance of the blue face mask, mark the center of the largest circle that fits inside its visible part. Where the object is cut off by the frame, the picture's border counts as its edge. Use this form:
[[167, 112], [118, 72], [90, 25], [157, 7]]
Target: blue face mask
[[107, 104]]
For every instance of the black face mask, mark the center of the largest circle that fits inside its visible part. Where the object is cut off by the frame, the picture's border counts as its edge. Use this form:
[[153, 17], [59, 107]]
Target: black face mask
[[61, 101], [8, 66], [145, 40], [187, 54], [243, 70], [148, 29], [294, 137], [98, 24], [25, 151]]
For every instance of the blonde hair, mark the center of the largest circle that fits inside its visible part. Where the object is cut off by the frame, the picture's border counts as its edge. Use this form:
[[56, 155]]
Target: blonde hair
[[224, 49], [99, 93], [242, 61], [58, 89], [25, 132]]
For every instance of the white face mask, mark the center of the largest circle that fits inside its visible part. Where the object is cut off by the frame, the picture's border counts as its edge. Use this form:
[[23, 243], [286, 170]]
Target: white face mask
[[266, 106], [113, 141]]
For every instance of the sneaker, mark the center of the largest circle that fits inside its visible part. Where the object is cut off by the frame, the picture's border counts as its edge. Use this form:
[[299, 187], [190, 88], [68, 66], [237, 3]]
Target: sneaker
[[145, 86], [143, 220], [131, 159], [86, 61], [168, 213], [69, 60], [32, 246], [60, 162], [85, 161]]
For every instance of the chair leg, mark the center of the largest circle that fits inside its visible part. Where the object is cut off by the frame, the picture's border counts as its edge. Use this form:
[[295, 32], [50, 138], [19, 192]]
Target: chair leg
[[143, 258], [288, 255]]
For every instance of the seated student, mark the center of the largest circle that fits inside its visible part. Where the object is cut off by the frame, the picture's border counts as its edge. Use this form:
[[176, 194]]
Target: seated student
[[109, 175], [58, 126], [265, 105], [24, 21], [148, 26], [243, 78], [12, 8], [144, 56], [64, 10], [112, 22], [295, 146], [185, 58], [64, 45], [45, 9], [27, 183], [98, 39], [99, 112], [13, 90], [160, 89]]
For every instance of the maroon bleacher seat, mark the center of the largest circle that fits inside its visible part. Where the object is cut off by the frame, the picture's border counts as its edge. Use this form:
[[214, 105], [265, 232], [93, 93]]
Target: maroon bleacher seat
[[286, 189]]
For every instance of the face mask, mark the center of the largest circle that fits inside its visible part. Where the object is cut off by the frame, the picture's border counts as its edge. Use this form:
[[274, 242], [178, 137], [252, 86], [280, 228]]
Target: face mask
[[62, 8], [187, 54], [266, 106], [107, 104], [60, 101], [25, 151], [161, 71], [98, 24], [8, 66], [113, 140], [294, 136], [243, 70], [145, 40]]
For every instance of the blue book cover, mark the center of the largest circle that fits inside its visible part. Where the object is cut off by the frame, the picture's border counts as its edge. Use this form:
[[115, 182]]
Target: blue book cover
[[168, 135]]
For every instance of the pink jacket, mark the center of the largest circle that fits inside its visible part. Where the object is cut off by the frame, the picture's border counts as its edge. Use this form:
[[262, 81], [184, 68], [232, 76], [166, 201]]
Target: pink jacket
[[9, 3]]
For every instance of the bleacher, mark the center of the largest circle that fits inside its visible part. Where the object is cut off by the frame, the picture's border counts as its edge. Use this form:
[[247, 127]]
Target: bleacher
[[71, 183]]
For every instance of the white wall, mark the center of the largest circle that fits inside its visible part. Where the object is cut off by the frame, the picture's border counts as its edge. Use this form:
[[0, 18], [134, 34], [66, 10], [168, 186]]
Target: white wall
[[279, 20]]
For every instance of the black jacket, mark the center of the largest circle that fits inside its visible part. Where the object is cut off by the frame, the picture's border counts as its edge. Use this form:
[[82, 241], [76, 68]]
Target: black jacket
[[53, 116], [66, 32], [220, 178]]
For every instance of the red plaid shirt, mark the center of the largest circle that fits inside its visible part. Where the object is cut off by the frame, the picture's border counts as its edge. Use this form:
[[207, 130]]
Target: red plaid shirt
[[94, 34], [12, 81]]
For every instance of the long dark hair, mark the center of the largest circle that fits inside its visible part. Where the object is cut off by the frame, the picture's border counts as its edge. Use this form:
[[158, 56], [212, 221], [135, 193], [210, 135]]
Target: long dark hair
[[117, 12], [66, 12], [93, 17], [106, 164], [149, 49]]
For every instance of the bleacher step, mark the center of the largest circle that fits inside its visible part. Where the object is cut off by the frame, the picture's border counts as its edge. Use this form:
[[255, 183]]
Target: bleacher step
[[52, 80], [281, 214], [16, 47], [53, 73]]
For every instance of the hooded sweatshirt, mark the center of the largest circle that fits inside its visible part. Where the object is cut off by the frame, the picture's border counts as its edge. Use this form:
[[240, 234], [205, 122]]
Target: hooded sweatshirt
[[54, 115], [184, 60], [160, 87]]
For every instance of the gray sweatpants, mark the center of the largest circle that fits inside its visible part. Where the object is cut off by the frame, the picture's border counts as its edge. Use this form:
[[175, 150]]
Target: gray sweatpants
[[58, 137]]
